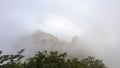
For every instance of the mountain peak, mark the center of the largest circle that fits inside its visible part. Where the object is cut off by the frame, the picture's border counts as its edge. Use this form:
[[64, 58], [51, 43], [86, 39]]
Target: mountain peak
[[42, 37]]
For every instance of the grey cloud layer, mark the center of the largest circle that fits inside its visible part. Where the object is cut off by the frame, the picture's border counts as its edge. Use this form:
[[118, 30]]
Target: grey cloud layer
[[96, 22]]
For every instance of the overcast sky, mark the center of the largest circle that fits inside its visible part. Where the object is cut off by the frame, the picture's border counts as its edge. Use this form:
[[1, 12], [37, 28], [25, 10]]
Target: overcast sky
[[96, 21]]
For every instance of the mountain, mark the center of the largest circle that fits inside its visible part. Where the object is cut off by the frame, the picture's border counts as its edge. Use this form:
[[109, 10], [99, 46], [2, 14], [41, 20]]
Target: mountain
[[44, 38], [39, 41]]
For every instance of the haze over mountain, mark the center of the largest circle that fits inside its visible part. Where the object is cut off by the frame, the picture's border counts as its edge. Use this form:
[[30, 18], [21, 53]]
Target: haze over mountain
[[40, 41]]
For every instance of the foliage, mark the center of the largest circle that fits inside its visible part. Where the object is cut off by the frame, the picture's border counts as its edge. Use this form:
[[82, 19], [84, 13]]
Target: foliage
[[52, 59]]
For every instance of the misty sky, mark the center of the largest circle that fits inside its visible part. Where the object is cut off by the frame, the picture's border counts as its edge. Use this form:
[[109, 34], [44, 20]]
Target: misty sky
[[95, 21]]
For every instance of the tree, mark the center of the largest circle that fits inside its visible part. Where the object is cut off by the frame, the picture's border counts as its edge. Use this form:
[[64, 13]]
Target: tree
[[52, 59]]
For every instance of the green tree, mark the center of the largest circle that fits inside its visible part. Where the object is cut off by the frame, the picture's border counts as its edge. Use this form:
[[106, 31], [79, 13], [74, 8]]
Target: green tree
[[52, 59]]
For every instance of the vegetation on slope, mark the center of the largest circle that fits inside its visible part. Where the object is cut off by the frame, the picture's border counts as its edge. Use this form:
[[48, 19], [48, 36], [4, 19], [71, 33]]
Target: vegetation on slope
[[52, 59]]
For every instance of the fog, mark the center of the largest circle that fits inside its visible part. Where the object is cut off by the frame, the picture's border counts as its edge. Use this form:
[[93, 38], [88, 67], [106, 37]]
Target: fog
[[95, 22]]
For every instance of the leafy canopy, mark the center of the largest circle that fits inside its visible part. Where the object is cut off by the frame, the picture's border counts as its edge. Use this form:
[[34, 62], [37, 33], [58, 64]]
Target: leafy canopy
[[52, 59]]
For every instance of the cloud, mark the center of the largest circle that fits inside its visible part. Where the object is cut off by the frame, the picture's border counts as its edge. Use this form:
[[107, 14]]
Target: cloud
[[96, 22]]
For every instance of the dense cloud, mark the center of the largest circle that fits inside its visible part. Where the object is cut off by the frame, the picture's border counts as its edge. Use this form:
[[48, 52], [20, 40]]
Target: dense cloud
[[95, 22]]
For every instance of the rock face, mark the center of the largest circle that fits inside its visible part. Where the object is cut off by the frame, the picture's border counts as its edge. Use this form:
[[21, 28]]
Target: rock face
[[39, 41], [44, 38]]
